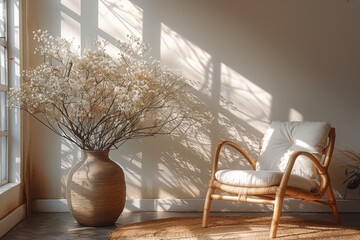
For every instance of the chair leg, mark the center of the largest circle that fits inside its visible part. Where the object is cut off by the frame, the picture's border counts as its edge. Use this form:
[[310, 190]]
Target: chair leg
[[332, 204], [276, 216], [207, 205]]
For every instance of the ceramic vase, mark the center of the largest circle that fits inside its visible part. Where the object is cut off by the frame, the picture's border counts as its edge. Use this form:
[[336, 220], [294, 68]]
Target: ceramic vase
[[96, 190]]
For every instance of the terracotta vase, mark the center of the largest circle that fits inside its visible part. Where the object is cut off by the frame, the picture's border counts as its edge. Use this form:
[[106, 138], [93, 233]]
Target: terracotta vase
[[96, 190]]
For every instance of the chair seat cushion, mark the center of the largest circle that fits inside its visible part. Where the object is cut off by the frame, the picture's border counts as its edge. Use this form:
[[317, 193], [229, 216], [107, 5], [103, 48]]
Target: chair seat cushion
[[251, 178]]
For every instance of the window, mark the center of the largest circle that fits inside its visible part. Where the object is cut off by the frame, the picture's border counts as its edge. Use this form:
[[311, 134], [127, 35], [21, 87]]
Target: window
[[3, 96]]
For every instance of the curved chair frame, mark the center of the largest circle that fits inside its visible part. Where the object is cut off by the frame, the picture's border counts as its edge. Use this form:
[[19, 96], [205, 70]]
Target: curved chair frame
[[274, 195]]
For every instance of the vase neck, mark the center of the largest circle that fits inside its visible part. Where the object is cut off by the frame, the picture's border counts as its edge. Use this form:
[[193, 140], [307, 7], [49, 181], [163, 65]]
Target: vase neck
[[97, 154]]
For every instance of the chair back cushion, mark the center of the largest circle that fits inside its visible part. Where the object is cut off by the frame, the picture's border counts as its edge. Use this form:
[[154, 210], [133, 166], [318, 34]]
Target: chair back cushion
[[283, 138]]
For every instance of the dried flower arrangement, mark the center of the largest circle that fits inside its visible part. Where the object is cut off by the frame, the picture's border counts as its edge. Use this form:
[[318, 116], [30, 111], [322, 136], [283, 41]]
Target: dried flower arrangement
[[98, 102]]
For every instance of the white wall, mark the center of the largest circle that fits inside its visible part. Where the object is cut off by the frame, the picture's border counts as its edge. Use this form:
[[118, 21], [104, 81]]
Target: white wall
[[272, 60]]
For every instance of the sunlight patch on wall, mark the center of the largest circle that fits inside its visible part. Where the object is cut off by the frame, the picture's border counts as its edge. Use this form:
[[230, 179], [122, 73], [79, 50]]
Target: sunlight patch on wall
[[295, 115], [70, 155], [70, 27], [194, 63], [177, 51], [235, 130], [132, 164], [120, 18], [73, 5], [244, 99], [133, 173]]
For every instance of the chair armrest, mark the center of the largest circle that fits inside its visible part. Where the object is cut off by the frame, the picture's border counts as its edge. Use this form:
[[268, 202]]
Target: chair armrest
[[294, 156], [215, 162]]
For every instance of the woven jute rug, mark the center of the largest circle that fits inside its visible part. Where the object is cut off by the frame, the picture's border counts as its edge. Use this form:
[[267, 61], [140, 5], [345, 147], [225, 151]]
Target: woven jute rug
[[232, 228]]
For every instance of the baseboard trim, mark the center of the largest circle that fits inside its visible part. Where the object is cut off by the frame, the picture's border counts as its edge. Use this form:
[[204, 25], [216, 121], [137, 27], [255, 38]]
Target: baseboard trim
[[196, 205], [12, 219]]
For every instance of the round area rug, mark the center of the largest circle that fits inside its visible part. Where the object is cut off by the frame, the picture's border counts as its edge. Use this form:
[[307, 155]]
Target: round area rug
[[232, 228]]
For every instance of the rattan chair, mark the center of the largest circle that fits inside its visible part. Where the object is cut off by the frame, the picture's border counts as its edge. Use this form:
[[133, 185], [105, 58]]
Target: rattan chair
[[293, 163]]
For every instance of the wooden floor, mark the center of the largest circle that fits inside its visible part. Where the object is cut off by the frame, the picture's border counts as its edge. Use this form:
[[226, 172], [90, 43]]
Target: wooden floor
[[51, 226]]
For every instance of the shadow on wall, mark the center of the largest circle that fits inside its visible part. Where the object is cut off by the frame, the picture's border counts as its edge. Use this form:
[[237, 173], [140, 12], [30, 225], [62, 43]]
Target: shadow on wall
[[174, 166], [206, 40]]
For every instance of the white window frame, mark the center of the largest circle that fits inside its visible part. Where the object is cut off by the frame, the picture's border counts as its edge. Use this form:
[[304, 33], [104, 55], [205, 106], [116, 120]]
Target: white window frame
[[4, 132], [13, 207], [12, 174]]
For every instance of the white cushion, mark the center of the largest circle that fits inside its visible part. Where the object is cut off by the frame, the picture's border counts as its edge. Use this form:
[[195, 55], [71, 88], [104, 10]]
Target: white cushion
[[251, 178], [283, 138]]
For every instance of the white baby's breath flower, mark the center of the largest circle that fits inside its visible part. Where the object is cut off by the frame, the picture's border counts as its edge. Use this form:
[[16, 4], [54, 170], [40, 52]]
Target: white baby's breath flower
[[98, 102]]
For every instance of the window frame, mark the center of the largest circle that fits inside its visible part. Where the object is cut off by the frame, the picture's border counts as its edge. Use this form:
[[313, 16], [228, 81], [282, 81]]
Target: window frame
[[4, 83]]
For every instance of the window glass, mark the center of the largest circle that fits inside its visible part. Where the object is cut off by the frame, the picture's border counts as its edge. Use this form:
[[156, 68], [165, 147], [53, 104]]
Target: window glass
[[2, 18], [4, 161], [3, 111], [3, 78]]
